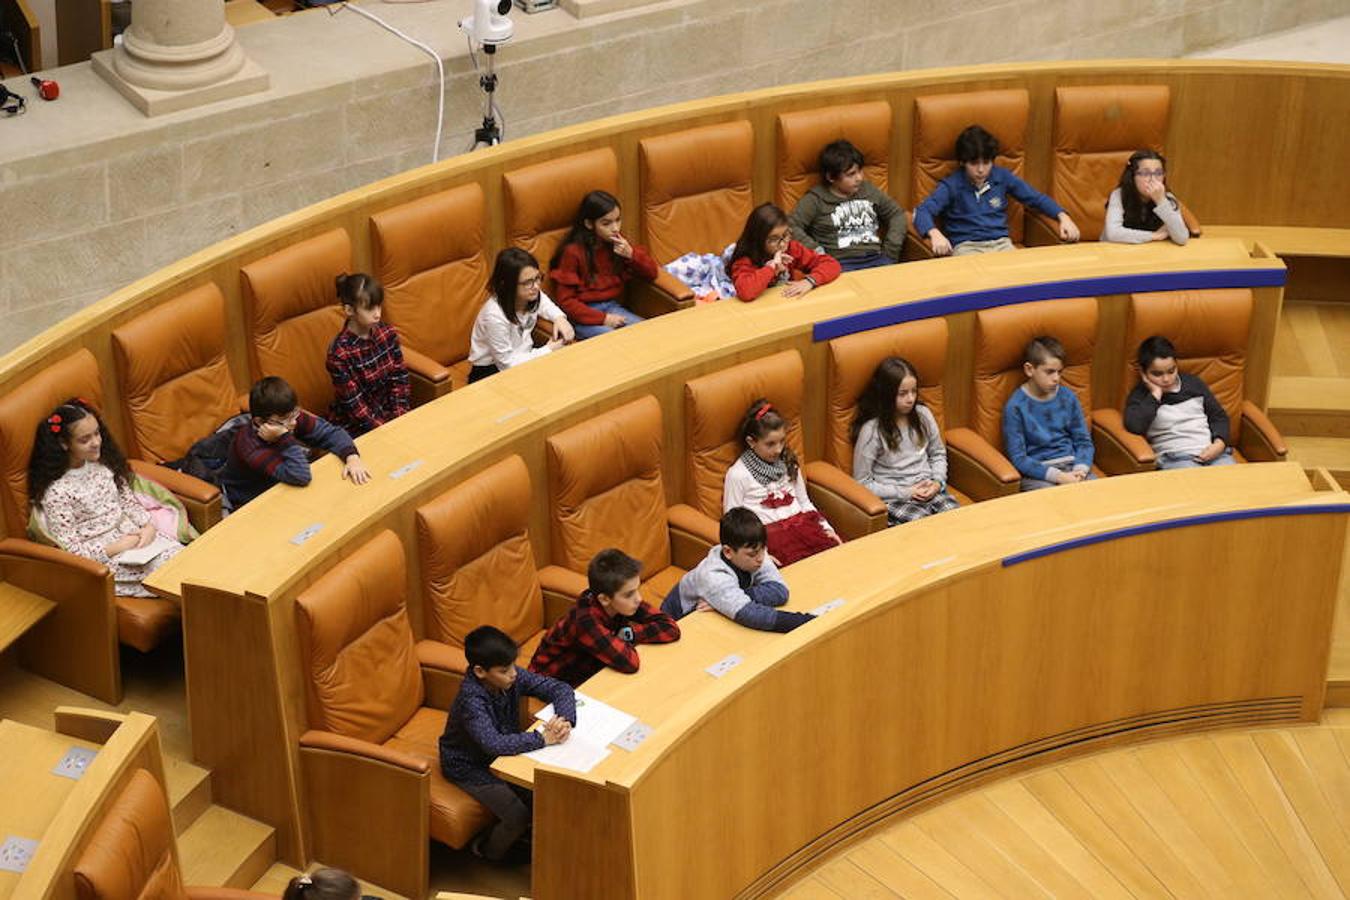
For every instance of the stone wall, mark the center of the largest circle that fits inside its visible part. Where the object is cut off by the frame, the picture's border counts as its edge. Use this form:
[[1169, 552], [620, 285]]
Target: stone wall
[[93, 195]]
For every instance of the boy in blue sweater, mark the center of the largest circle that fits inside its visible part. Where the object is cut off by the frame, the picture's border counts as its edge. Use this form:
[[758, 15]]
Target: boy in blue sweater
[[973, 201], [484, 723], [737, 578], [1044, 431]]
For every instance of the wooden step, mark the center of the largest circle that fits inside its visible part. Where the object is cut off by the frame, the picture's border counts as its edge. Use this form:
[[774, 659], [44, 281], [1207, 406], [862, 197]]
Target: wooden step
[[225, 849], [1311, 406], [189, 791], [1332, 454]]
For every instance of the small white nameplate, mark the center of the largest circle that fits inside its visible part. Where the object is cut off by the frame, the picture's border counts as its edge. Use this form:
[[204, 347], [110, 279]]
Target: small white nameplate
[[823, 608], [511, 415], [16, 853], [307, 534], [73, 764], [632, 736], [937, 562], [723, 666], [405, 469]]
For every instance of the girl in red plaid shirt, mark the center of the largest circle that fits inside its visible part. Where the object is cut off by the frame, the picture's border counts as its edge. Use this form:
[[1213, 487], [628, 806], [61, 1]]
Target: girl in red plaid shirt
[[365, 361]]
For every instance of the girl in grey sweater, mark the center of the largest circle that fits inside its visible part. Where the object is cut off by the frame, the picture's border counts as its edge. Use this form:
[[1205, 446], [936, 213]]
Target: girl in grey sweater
[[898, 452]]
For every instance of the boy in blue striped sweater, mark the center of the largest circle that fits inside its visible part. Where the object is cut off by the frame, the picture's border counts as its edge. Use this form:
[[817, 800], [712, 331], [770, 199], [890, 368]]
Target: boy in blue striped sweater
[[1044, 431]]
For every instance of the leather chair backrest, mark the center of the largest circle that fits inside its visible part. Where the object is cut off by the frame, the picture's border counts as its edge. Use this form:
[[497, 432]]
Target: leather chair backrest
[[1097, 127], [605, 488], [292, 313], [853, 359], [939, 118], [714, 407], [174, 374], [478, 567], [22, 407], [696, 191], [803, 134], [132, 855], [430, 254], [542, 200], [356, 644], [1209, 328], [1001, 336]]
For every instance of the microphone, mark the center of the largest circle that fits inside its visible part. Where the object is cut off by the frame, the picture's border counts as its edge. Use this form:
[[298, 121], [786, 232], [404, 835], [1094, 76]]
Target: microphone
[[47, 90]]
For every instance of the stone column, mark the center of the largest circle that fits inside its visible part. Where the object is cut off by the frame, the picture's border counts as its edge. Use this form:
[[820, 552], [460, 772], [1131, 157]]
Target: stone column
[[178, 54]]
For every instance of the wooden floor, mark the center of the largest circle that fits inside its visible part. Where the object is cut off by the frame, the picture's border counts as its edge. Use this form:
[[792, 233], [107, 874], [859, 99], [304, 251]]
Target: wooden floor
[[1313, 340], [1260, 813]]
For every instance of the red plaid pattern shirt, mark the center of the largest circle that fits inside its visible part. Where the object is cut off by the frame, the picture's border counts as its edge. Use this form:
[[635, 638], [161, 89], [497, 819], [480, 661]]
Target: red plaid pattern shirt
[[587, 639], [370, 381]]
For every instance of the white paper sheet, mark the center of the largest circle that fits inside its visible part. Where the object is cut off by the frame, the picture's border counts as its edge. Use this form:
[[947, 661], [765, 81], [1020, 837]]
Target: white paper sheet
[[598, 723], [576, 754], [139, 556]]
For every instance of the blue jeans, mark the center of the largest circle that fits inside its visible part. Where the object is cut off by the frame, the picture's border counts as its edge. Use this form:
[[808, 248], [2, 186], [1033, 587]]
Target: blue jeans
[[1035, 484], [608, 306], [1188, 460]]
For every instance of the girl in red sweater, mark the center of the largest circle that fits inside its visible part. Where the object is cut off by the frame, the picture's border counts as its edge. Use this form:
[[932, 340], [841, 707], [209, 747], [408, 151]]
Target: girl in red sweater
[[766, 256], [594, 264]]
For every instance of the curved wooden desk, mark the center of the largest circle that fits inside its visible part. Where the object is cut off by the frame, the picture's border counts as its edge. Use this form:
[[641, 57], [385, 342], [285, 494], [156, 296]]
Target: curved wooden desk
[[969, 643]]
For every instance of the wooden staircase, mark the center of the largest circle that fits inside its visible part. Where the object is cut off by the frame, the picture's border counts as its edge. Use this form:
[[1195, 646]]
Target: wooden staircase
[[216, 847]]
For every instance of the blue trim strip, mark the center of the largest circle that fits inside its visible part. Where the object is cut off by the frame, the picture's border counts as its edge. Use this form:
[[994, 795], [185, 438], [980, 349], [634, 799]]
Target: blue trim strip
[[1168, 525], [1050, 290]]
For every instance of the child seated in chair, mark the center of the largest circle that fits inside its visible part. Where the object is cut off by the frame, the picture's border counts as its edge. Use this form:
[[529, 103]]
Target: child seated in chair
[[1182, 419], [365, 361], [738, 579], [605, 626], [1044, 430], [274, 446], [592, 267], [973, 201], [484, 723], [845, 216]]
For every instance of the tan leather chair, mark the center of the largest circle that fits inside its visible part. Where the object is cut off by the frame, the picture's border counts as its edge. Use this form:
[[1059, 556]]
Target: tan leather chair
[[478, 567], [76, 644], [696, 188], [431, 256], [605, 490], [176, 388], [1001, 336], [938, 119], [541, 204], [714, 406], [1096, 129], [292, 314], [369, 759], [1209, 328], [132, 853], [803, 134], [853, 359]]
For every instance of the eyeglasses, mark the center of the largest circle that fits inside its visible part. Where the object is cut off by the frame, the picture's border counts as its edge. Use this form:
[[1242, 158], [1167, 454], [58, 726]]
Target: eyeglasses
[[284, 421], [779, 240], [1150, 173], [531, 282]]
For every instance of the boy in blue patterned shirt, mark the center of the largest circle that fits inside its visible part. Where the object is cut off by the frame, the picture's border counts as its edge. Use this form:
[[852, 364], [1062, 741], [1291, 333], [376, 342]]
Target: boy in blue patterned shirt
[[1044, 431]]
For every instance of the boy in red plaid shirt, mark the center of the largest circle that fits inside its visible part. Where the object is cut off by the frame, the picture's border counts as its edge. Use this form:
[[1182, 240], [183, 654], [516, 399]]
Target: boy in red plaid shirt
[[365, 361], [605, 627]]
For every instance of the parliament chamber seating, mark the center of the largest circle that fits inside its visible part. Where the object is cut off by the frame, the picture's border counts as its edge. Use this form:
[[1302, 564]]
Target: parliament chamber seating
[[478, 566], [369, 757], [76, 645], [292, 313], [1001, 336], [133, 855], [802, 134], [1097, 128], [1209, 330], [696, 189], [540, 203], [605, 490], [714, 408], [854, 358], [430, 254], [176, 388], [938, 119]]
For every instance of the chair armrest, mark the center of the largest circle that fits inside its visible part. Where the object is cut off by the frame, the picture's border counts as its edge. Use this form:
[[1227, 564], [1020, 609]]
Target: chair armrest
[[1259, 439], [916, 246], [354, 789], [1192, 223], [442, 673], [852, 509], [200, 499], [341, 743], [435, 655], [667, 294], [427, 378], [19, 548], [561, 589], [976, 469], [1038, 232], [543, 331], [1119, 451], [692, 535]]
